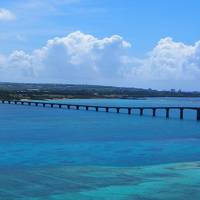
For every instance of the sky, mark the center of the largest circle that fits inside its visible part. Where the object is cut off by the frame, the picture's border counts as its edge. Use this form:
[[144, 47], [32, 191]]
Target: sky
[[134, 43]]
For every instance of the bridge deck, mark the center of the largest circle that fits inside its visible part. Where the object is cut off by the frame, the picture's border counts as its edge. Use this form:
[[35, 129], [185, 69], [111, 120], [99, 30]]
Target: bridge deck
[[107, 108]]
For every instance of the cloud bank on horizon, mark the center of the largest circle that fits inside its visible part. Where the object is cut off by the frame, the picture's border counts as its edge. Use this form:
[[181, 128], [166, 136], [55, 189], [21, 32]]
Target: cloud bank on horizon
[[85, 59]]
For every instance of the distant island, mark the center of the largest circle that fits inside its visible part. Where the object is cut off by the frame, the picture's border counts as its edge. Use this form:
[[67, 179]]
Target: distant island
[[58, 91]]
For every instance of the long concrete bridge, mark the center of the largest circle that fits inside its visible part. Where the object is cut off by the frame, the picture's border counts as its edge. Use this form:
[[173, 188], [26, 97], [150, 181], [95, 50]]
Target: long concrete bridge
[[128, 110]]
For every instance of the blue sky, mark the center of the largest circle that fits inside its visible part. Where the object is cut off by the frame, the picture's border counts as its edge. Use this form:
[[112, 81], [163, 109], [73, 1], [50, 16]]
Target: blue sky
[[142, 23]]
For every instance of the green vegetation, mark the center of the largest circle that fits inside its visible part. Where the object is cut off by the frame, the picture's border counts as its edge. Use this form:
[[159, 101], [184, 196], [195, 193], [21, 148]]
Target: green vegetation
[[53, 91]]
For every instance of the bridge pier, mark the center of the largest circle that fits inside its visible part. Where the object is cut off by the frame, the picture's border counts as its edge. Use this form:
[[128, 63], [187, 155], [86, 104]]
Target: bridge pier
[[77, 107], [36, 104], [68, 106], [8, 102], [117, 110], [129, 111], [181, 113], [29, 103], [167, 113], [141, 111], [60, 106], [51, 105], [154, 112], [97, 108], [198, 114], [15, 102], [86, 108], [107, 109]]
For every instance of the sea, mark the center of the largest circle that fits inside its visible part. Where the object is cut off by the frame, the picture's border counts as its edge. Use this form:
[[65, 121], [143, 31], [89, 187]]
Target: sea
[[60, 154]]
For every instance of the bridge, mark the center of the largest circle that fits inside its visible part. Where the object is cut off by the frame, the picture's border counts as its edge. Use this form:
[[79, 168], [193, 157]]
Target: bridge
[[128, 110]]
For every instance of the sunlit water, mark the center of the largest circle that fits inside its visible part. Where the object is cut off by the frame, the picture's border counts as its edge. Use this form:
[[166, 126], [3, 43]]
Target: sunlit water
[[68, 154]]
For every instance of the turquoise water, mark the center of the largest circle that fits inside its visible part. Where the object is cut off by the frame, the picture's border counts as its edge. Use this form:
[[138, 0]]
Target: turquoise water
[[68, 154]]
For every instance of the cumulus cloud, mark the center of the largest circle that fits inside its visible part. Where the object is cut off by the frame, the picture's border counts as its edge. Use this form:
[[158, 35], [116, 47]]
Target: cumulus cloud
[[6, 15], [169, 60], [83, 58], [78, 58]]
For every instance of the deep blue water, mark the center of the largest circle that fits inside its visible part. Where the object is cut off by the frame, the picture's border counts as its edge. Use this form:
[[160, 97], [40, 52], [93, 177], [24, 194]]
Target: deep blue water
[[32, 137], [42, 136]]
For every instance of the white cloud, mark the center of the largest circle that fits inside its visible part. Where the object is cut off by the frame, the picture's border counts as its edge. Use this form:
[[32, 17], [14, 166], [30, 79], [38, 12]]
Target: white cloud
[[83, 58], [169, 63], [6, 15], [78, 58], [169, 60]]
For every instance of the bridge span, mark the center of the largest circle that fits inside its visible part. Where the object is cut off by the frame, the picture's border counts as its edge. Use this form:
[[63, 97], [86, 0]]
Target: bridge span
[[128, 110]]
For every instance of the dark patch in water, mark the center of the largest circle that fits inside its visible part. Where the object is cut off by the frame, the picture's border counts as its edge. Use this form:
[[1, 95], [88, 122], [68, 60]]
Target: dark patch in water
[[139, 197], [162, 175]]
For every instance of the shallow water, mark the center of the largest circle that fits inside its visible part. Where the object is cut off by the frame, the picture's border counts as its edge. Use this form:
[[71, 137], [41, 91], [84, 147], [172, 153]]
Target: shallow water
[[67, 154], [171, 181]]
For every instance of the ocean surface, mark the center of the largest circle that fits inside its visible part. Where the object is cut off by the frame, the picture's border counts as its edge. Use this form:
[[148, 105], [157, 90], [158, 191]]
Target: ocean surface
[[60, 154]]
